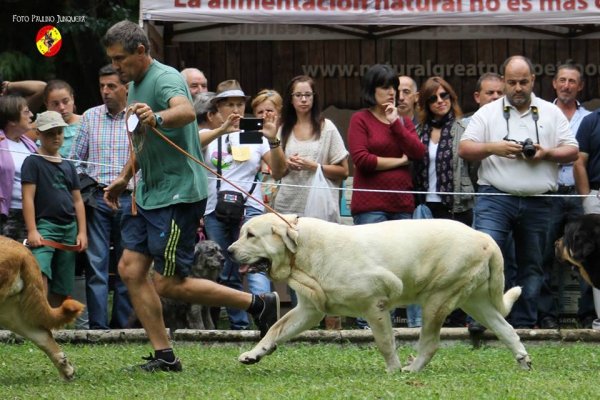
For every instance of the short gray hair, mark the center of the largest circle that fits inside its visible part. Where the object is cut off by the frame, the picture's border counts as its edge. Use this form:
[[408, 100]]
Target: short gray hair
[[130, 35], [203, 105]]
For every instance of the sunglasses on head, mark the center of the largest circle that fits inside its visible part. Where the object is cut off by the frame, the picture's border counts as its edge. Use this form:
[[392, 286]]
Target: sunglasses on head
[[434, 97]]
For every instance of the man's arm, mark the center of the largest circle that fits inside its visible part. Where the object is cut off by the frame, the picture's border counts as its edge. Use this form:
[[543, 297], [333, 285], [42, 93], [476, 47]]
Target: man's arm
[[180, 112], [582, 181], [562, 154], [114, 190], [474, 151]]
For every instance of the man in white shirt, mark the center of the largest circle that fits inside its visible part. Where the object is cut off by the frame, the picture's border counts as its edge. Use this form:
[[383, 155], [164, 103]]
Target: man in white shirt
[[519, 140]]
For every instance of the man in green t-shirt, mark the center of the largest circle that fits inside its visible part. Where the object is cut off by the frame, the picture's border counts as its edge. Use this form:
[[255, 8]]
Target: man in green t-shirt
[[170, 198]]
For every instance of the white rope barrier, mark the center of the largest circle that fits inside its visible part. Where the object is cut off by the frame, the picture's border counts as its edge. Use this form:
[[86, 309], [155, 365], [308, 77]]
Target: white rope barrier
[[271, 184]]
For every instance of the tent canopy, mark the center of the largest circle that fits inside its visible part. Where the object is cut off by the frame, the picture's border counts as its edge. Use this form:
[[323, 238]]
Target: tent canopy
[[372, 19]]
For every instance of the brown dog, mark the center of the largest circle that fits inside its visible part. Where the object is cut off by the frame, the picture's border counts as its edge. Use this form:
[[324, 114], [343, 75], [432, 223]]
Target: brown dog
[[24, 308], [580, 246]]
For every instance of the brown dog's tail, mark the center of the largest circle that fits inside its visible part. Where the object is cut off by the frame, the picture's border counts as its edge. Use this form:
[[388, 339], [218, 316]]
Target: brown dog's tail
[[503, 301], [34, 303]]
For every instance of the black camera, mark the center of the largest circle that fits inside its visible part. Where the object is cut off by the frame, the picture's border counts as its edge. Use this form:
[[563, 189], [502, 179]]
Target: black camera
[[529, 149]]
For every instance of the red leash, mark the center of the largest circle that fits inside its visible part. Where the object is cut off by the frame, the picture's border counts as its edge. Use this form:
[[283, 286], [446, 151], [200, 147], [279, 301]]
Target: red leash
[[56, 245]]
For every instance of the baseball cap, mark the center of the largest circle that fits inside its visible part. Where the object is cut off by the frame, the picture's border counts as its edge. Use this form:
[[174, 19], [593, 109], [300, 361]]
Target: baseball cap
[[48, 120]]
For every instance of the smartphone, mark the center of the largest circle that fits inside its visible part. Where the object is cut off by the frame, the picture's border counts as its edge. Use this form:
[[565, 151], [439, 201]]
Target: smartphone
[[249, 130]]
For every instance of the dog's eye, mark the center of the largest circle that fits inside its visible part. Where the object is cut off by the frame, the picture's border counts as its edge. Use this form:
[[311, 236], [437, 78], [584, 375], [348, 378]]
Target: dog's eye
[[249, 235]]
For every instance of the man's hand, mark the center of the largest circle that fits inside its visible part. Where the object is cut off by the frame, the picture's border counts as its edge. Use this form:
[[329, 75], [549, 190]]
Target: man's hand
[[144, 113], [505, 148], [113, 191]]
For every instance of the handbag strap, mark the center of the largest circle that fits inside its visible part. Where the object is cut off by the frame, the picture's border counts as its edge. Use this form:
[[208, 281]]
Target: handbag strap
[[219, 169]]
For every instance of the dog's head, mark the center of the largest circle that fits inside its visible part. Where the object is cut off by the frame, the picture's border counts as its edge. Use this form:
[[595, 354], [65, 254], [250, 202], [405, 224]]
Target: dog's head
[[266, 244], [580, 246], [208, 260]]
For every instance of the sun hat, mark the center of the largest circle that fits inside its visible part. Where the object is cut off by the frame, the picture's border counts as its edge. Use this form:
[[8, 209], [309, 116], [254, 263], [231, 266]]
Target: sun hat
[[229, 88], [48, 120]]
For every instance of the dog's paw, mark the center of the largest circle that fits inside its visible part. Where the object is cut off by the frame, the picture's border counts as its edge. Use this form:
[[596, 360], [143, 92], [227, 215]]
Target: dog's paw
[[248, 358], [410, 359], [65, 369], [525, 363]]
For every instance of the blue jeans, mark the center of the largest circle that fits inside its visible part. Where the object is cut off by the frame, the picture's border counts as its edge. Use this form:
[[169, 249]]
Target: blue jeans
[[225, 235], [413, 311], [102, 222], [527, 218], [564, 210]]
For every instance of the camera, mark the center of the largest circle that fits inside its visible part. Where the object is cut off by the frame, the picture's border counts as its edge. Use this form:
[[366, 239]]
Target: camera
[[529, 149]]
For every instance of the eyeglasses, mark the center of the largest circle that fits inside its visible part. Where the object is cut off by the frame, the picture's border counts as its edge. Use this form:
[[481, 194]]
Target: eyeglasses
[[299, 96], [434, 97], [26, 111]]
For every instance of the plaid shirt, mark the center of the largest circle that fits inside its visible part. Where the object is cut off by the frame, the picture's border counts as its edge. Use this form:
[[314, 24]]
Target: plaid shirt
[[101, 139]]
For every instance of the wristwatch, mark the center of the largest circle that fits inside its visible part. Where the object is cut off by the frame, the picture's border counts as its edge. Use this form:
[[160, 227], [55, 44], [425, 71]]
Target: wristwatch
[[275, 144], [158, 119]]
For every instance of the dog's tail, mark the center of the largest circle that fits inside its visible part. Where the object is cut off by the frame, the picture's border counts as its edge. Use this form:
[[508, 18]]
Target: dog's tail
[[35, 306], [502, 301]]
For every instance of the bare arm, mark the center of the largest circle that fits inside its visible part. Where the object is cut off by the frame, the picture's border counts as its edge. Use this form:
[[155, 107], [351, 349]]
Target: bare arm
[[582, 181], [180, 112], [114, 190], [474, 151], [80, 215], [228, 126], [31, 90], [33, 236], [561, 154], [385, 163]]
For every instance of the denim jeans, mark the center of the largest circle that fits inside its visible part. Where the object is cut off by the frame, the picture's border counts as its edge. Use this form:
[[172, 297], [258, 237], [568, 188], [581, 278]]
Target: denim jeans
[[564, 210], [225, 235], [102, 222], [527, 218], [413, 311]]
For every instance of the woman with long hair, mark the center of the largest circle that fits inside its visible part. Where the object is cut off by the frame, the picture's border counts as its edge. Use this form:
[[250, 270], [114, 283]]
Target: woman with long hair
[[441, 170], [60, 97]]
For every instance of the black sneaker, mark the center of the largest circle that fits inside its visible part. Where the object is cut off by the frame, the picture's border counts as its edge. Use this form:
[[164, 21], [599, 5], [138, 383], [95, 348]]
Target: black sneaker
[[158, 364], [269, 314]]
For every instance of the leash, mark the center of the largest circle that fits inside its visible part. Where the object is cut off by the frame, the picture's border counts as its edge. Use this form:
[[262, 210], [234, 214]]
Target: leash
[[188, 155], [57, 245]]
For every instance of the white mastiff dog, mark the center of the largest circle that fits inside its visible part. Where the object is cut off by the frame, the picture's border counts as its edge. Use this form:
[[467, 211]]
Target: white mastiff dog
[[368, 270]]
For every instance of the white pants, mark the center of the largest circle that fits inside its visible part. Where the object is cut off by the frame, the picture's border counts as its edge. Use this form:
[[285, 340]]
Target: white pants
[[591, 205]]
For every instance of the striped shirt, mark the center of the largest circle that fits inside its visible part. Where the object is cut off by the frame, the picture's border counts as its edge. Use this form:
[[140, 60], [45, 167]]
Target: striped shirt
[[101, 139]]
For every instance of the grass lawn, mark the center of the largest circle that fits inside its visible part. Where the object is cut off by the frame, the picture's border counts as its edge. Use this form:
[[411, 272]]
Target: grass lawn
[[298, 371]]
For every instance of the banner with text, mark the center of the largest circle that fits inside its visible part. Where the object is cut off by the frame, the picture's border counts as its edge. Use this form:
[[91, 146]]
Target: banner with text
[[375, 12]]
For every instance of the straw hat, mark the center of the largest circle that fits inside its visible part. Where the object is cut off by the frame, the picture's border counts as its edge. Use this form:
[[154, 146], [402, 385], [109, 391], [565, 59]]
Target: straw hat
[[229, 88]]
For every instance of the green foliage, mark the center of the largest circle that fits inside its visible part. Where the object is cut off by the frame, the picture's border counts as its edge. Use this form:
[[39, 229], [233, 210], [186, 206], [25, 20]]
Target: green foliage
[[302, 372], [15, 66]]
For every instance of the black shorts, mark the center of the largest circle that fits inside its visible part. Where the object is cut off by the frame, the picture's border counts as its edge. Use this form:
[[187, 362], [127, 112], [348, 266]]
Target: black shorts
[[166, 234]]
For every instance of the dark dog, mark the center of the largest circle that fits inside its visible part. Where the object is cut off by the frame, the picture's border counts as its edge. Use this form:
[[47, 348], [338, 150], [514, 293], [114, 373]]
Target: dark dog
[[580, 246], [24, 308], [208, 262]]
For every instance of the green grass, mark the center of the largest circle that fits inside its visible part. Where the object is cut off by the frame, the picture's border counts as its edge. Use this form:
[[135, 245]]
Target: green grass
[[302, 372]]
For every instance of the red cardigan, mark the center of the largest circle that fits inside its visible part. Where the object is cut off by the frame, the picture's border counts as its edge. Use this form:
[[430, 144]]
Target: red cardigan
[[369, 138]]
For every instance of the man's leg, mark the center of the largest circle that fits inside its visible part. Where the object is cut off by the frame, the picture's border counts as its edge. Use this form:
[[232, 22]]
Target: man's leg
[[530, 240], [96, 274], [122, 307], [134, 268]]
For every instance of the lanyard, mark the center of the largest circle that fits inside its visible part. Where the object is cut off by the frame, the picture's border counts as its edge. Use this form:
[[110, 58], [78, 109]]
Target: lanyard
[[534, 114]]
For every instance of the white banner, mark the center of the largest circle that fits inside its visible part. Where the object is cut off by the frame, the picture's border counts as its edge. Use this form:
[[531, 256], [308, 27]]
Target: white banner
[[375, 12]]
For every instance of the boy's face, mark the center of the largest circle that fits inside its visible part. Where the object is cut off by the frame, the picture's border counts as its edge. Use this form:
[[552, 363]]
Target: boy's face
[[52, 139]]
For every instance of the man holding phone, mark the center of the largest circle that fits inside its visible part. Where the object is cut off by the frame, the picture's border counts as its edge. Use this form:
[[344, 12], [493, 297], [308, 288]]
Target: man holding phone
[[237, 156]]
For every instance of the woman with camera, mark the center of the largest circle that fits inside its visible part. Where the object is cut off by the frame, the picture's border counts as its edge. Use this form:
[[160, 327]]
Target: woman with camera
[[227, 152]]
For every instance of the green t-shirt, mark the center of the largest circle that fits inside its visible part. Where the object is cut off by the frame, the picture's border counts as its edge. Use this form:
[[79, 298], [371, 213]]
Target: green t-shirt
[[168, 176]]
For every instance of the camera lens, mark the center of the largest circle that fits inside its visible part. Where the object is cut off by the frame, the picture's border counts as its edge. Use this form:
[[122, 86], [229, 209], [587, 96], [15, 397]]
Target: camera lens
[[529, 149]]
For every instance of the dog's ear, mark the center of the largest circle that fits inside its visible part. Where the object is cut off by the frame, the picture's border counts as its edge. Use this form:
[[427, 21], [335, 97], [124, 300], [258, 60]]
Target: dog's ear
[[583, 246], [288, 235]]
